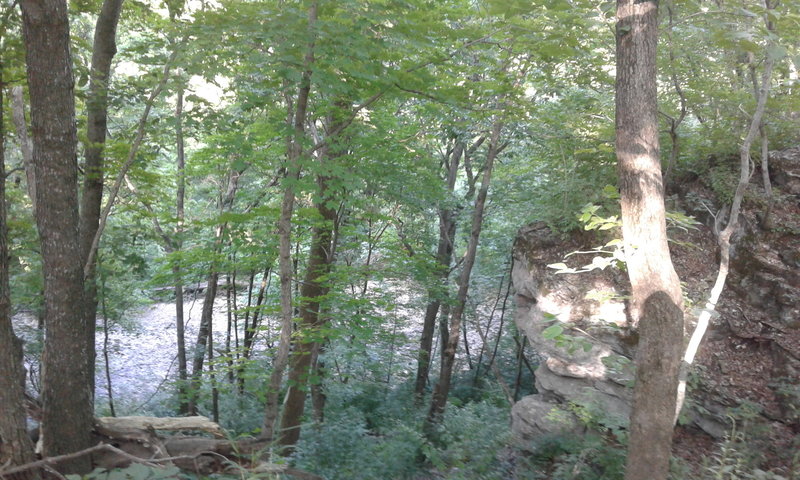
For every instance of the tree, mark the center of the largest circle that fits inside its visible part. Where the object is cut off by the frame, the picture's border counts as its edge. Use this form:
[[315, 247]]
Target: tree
[[67, 411], [657, 304], [444, 256], [103, 51], [724, 241], [15, 444], [442, 389], [296, 121], [315, 287]]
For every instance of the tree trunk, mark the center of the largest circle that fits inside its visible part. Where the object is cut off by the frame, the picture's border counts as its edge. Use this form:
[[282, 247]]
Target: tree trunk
[[442, 389], [203, 336], [106, 356], [204, 332], [318, 397], [724, 237], [67, 413], [180, 196], [657, 304], [313, 290], [103, 51], [15, 445], [444, 256], [212, 375], [286, 265], [25, 143], [232, 330]]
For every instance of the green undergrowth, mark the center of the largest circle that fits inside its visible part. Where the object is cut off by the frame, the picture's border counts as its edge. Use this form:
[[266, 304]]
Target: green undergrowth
[[372, 433]]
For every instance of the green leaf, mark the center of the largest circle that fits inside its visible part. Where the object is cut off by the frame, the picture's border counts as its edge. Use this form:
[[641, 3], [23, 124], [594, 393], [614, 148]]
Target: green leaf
[[610, 192], [552, 332], [777, 52]]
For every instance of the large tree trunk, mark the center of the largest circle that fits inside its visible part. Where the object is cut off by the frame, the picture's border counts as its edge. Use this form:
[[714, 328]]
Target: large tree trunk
[[657, 305], [442, 389], [15, 445], [103, 51], [67, 413], [444, 256]]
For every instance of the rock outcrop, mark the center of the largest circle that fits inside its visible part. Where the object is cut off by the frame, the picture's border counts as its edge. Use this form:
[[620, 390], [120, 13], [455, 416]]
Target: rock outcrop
[[750, 358], [588, 363]]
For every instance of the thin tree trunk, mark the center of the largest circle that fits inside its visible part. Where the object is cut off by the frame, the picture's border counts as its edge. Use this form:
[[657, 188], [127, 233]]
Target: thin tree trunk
[[724, 237], [766, 223], [444, 256], [442, 389], [674, 123], [250, 333], [205, 331], [502, 315], [203, 336], [177, 271], [485, 336], [16, 447], [106, 356], [444, 329], [212, 374], [229, 328], [67, 414], [657, 304], [137, 142], [510, 397], [295, 151], [25, 142], [103, 51], [466, 344]]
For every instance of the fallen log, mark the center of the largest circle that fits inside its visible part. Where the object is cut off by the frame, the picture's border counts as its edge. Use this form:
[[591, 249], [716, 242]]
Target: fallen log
[[121, 441], [174, 424]]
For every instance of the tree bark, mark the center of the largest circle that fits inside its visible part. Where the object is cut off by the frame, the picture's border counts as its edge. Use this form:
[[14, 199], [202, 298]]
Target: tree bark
[[67, 412], [103, 51], [442, 389], [15, 444], [657, 305]]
